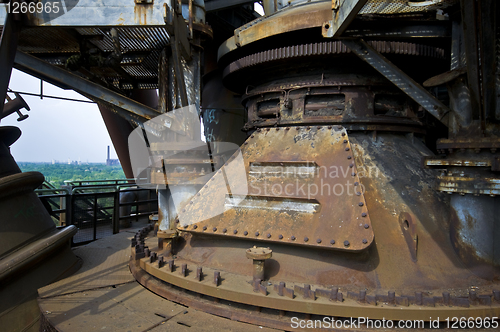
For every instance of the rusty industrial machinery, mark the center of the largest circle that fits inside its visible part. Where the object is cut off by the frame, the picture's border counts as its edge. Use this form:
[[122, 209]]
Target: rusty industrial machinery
[[351, 159]]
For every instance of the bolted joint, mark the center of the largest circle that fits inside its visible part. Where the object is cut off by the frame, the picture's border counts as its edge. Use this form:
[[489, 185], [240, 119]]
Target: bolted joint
[[259, 256]]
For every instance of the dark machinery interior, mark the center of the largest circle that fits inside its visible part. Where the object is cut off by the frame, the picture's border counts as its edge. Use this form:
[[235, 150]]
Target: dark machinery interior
[[368, 135]]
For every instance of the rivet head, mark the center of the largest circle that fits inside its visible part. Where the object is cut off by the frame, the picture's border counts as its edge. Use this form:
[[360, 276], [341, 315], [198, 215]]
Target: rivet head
[[318, 241], [367, 226], [280, 236], [358, 193], [347, 149], [185, 226], [214, 229], [319, 127], [339, 127], [360, 204], [345, 141], [297, 128], [235, 231], [277, 128], [224, 230], [268, 129], [191, 202], [245, 233], [176, 221], [257, 233], [287, 128], [293, 238], [308, 128], [356, 183], [252, 136], [353, 174], [258, 130], [346, 243], [329, 127], [195, 226], [204, 228], [363, 214], [351, 165], [349, 157], [343, 134], [332, 241], [365, 241], [246, 143], [268, 235], [183, 210], [306, 239]]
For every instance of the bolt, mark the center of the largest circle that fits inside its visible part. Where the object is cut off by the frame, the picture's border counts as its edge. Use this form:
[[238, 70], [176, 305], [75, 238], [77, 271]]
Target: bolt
[[318, 241], [332, 241], [319, 127], [367, 226], [277, 128], [224, 230], [246, 143], [245, 233], [363, 214], [256, 233], [347, 149], [353, 174], [356, 183], [252, 136], [204, 228], [258, 256], [346, 243], [195, 226], [349, 157], [280, 236], [287, 128], [306, 239], [308, 128], [329, 127], [235, 231], [268, 235], [293, 238], [351, 165], [343, 134], [358, 193], [365, 241], [360, 204], [214, 229]]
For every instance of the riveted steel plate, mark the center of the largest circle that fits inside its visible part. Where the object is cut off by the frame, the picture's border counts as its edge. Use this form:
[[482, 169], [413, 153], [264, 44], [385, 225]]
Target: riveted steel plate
[[301, 187]]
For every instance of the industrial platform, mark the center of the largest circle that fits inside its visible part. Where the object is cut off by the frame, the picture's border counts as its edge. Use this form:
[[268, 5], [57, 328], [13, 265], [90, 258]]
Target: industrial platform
[[104, 296]]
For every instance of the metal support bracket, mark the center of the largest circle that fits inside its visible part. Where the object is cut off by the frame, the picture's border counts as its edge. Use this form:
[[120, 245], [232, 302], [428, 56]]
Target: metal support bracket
[[344, 12], [399, 78]]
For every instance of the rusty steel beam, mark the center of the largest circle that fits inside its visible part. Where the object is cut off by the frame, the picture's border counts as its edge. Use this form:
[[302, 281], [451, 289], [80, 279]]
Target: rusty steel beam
[[414, 90], [344, 12], [36, 66]]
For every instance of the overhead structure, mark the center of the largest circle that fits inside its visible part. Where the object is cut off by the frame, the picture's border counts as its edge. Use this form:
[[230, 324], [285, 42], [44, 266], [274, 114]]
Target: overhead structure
[[369, 148]]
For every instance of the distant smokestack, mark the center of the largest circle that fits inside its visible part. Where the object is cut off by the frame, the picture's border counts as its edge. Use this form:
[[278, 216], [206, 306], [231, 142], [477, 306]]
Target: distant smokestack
[[108, 152]]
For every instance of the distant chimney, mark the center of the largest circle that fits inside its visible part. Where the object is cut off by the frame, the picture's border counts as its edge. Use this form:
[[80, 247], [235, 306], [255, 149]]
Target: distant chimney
[[108, 152]]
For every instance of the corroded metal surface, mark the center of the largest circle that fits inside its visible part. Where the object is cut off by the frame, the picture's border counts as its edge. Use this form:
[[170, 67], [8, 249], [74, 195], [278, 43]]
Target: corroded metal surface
[[303, 189], [296, 297], [331, 48]]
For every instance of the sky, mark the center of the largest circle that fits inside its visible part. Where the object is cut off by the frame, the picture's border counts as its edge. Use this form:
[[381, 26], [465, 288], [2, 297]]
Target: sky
[[57, 129]]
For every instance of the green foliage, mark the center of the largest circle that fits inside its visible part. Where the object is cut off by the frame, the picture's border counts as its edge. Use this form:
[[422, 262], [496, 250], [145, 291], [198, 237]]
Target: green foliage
[[56, 174]]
